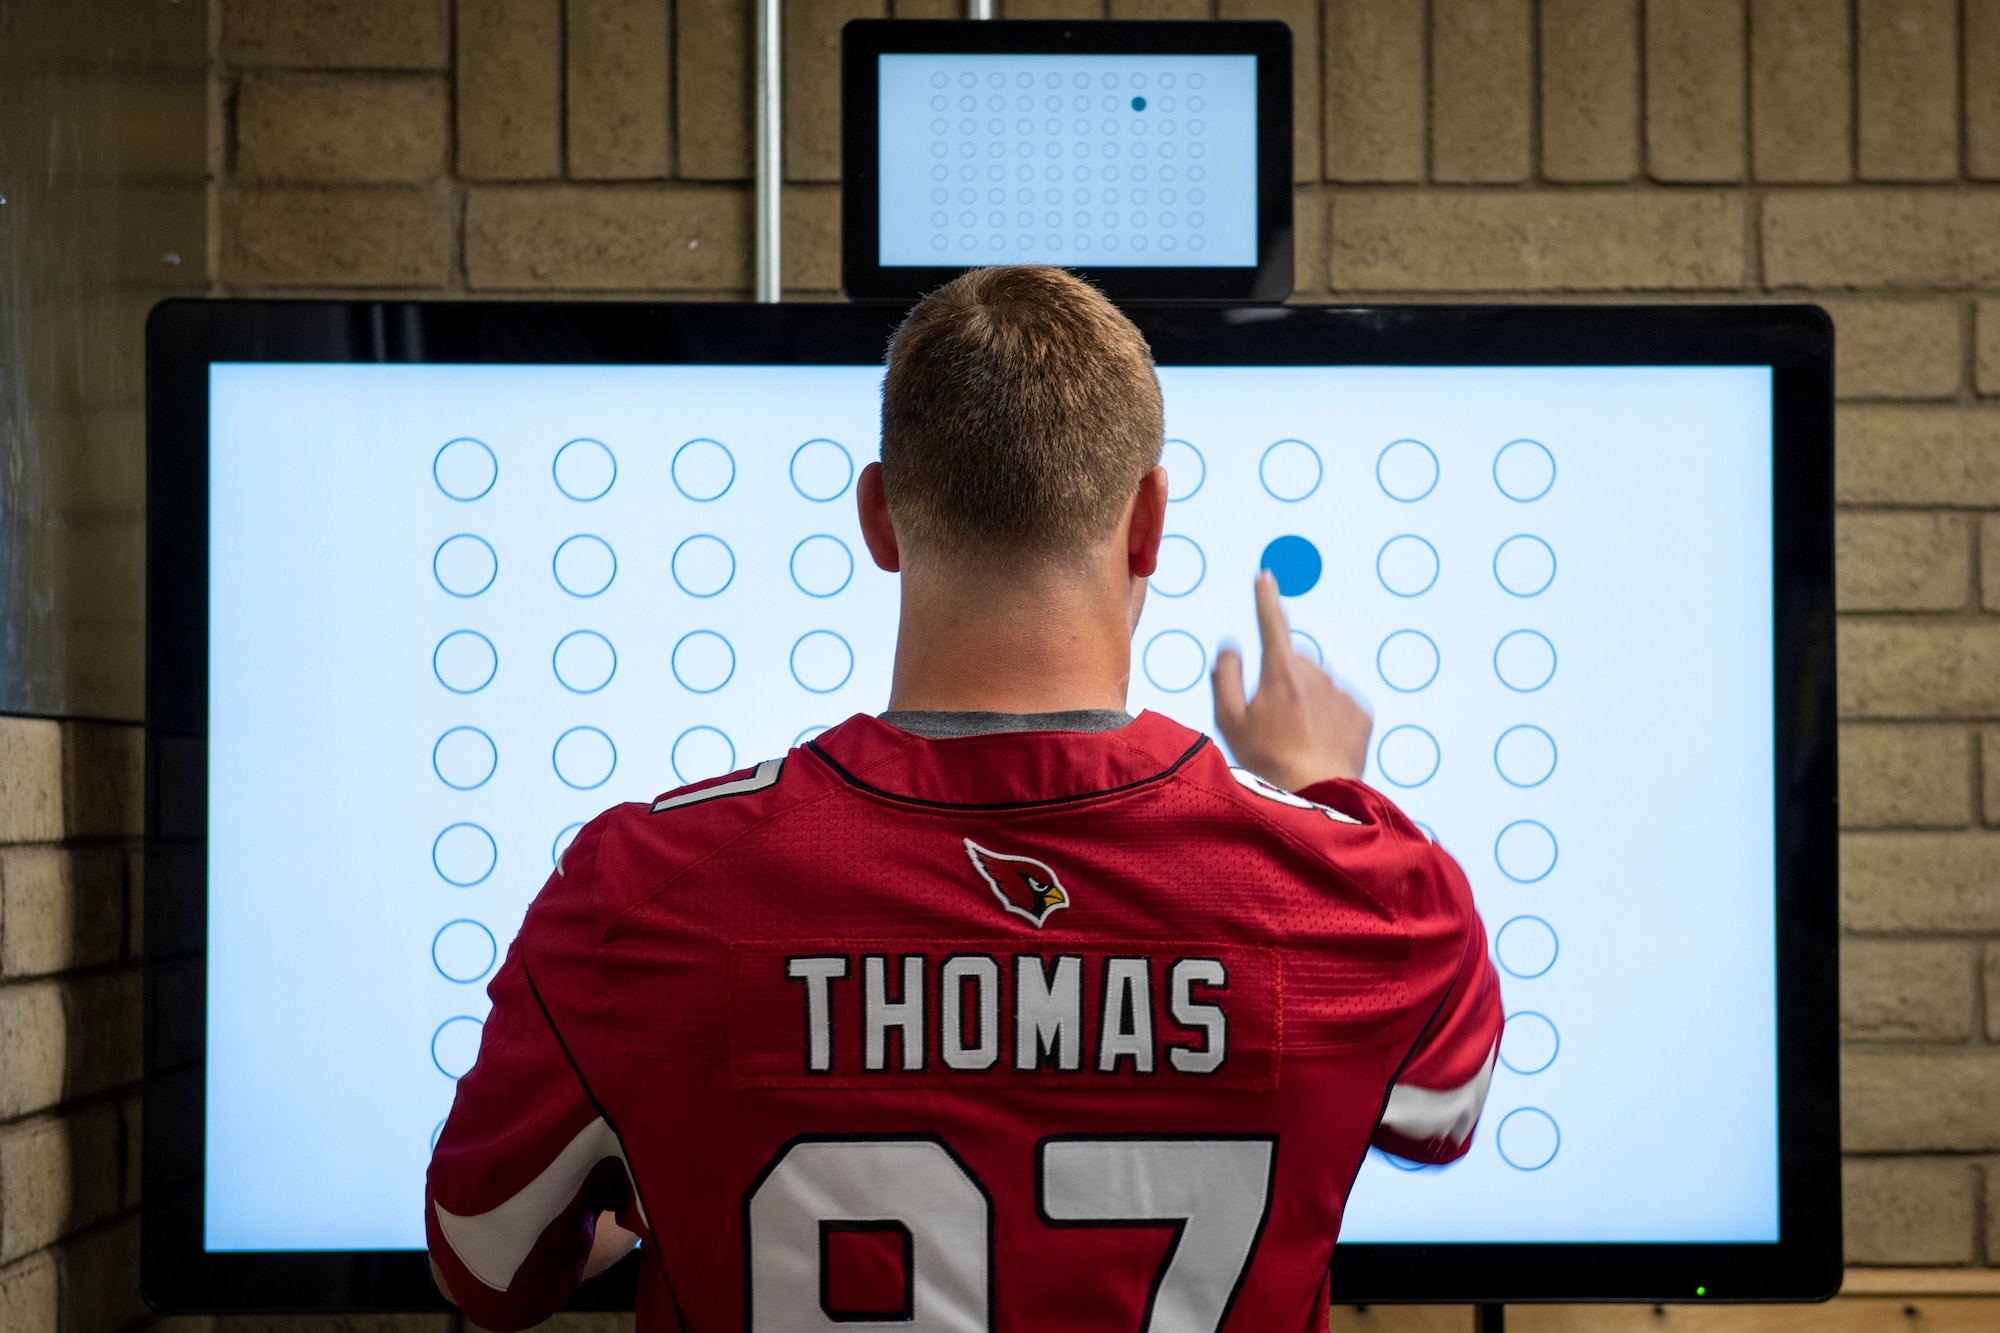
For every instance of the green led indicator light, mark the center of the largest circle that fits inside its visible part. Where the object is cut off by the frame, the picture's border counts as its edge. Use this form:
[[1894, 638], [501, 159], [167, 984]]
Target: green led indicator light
[[1701, 1291]]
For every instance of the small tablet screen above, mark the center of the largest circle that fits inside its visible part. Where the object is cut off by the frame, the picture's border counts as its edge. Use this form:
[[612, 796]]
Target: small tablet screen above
[[1110, 161], [1154, 157]]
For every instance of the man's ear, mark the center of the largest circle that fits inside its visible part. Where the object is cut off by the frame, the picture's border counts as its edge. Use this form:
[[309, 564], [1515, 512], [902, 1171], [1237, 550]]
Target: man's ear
[[876, 529], [1146, 523]]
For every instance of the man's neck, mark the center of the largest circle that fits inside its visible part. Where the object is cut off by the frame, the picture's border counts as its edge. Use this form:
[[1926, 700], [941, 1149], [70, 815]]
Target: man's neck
[[996, 641]]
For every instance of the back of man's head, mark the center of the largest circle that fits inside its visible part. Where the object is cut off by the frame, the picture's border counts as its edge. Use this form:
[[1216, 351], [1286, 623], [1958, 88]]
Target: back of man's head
[[1019, 415]]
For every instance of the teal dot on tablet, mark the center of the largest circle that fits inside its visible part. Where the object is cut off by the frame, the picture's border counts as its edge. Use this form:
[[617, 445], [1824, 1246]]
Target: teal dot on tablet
[[1294, 562]]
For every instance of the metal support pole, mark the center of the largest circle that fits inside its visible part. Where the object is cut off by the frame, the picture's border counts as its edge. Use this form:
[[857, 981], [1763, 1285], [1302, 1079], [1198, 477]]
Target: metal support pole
[[979, 9], [770, 150]]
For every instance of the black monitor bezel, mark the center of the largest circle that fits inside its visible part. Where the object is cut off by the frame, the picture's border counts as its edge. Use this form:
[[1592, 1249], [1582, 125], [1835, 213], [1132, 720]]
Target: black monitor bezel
[[185, 337], [863, 40]]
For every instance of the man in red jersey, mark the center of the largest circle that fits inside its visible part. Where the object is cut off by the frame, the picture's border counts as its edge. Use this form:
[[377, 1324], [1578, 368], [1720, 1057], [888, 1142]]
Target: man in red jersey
[[1004, 1010]]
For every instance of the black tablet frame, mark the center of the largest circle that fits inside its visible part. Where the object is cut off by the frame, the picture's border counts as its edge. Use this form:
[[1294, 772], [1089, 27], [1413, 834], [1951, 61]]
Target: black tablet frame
[[185, 337], [862, 40]]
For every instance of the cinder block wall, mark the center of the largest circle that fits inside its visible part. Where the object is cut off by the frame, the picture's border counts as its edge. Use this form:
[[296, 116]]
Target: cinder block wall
[[1840, 151], [70, 821]]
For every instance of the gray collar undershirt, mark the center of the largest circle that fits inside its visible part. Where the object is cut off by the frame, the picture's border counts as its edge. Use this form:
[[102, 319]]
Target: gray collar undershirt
[[945, 726]]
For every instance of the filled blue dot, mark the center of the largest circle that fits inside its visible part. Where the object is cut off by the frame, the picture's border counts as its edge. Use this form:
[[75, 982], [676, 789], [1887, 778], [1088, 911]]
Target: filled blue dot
[[1295, 563]]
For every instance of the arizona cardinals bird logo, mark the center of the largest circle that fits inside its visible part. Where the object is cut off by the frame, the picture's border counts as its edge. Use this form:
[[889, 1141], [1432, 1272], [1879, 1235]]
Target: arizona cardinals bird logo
[[1026, 887]]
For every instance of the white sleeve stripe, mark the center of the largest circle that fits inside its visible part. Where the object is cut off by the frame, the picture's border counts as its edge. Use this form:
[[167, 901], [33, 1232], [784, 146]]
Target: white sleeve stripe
[[1270, 791], [765, 776], [1425, 1115], [494, 1244]]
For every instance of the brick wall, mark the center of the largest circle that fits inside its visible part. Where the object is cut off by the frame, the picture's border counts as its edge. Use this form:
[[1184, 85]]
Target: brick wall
[[1841, 151], [69, 1025]]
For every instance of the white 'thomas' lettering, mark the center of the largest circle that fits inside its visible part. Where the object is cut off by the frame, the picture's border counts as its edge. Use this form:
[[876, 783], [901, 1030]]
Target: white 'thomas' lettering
[[879, 1013], [1128, 1015], [983, 974], [819, 974], [1048, 1015], [1182, 978]]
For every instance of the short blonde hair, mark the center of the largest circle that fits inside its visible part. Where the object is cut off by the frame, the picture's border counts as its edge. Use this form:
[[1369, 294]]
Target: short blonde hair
[[1019, 414]]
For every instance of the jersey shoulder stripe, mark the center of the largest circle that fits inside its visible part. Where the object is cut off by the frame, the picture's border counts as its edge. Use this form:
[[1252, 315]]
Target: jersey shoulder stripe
[[764, 775], [1272, 792]]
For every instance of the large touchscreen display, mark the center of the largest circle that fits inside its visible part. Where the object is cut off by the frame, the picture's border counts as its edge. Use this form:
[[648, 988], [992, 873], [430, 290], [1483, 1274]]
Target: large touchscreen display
[[456, 610]]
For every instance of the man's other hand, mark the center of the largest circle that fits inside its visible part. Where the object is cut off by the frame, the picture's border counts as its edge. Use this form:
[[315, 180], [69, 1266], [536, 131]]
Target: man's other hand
[[611, 1244], [1301, 728]]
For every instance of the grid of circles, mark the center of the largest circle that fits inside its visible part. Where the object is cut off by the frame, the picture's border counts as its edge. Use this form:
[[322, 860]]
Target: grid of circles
[[464, 757], [1078, 165], [821, 566], [1525, 756], [1408, 661], [1174, 660]]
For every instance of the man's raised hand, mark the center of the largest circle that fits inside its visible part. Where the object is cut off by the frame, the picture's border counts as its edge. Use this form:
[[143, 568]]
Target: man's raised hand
[[1300, 728]]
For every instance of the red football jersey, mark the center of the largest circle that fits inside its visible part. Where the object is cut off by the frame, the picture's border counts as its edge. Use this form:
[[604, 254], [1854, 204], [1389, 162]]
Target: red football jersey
[[1029, 1031]]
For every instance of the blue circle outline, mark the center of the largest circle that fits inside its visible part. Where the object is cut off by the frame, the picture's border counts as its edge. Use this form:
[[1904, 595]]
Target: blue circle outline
[[1436, 656], [815, 728], [1524, 499], [674, 476], [1498, 1129], [455, 1018], [1437, 471], [557, 652], [792, 564], [1524, 536], [1553, 1030], [1263, 562], [1554, 953], [592, 786], [792, 661], [1145, 664], [489, 647], [1199, 554], [1199, 481], [438, 457], [674, 572], [1435, 765], [1405, 1165], [1265, 457], [1318, 651], [577, 537], [439, 554], [556, 848], [674, 749], [464, 883], [439, 745], [1554, 846], [1437, 565], [556, 462], [792, 469], [1553, 751], [491, 942], [674, 666], [1503, 643]]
